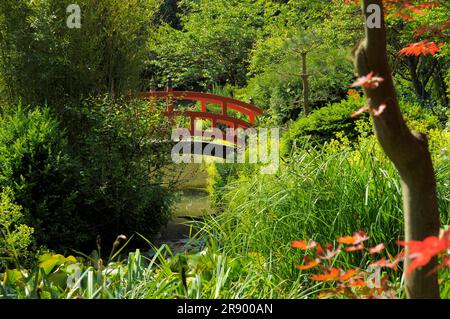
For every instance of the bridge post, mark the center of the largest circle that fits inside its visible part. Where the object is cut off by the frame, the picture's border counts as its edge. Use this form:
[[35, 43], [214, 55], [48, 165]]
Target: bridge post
[[169, 100], [192, 126], [224, 108]]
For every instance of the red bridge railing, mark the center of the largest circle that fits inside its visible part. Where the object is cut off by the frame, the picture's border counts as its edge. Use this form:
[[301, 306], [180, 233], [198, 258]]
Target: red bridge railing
[[226, 104]]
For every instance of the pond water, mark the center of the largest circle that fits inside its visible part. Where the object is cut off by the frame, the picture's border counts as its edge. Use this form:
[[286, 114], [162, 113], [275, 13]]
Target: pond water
[[191, 203]]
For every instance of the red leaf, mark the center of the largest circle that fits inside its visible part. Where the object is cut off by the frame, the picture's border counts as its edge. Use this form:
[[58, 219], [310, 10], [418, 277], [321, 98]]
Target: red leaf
[[302, 244], [349, 274], [309, 265], [423, 47], [421, 252], [330, 252], [319, 250], [355, 248], [356, 239], [383, 263], [333, 274], [359, 112], [357, 283], [369, 81], [377, 249], [378, 111]]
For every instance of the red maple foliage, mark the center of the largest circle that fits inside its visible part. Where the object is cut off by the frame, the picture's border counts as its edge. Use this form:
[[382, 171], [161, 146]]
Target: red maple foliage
[[355, 282], [421, 252], [423, 47]]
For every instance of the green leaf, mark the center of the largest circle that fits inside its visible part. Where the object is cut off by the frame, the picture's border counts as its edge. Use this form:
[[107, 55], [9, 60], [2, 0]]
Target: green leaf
[[49, 264], [13, 276]]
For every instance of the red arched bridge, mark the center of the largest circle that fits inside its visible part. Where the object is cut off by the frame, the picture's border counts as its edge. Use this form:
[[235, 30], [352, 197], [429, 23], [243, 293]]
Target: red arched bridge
[[225, 117], [226, 103]]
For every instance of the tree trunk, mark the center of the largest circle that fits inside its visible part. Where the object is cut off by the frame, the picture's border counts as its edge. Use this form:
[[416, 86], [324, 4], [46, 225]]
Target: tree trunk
[[441, 88], [408, 151], [305, 76], [418, 88]]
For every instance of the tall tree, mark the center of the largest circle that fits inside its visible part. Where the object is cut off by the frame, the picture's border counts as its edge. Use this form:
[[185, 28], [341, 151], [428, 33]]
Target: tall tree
[[407, 150]]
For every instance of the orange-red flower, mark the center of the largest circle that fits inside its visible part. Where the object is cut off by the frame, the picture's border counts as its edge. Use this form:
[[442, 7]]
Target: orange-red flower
[[353, 93]]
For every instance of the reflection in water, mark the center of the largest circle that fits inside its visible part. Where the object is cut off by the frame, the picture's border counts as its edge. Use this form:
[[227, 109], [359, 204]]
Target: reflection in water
[[192, 203]]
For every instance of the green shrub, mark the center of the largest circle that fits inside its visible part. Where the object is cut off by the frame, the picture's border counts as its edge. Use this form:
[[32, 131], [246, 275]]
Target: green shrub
[[323, 124], [326, 123], [120, 164], [420, 118], [15, 237], [35, 165]]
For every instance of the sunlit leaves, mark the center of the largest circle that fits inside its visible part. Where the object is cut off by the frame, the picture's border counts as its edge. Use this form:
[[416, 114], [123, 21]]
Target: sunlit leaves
[[369, 284], [423, 47]]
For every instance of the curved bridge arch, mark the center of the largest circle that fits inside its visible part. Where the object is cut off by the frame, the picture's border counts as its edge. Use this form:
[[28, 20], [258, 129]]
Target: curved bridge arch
[[226, 104]]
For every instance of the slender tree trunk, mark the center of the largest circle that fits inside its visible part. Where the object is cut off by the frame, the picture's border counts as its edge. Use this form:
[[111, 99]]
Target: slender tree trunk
[[440, 85], [412, 65], [305, 76], [408, 151]]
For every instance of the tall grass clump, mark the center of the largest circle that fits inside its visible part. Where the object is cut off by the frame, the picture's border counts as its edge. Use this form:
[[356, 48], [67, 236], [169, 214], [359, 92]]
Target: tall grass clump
[[319, 193]]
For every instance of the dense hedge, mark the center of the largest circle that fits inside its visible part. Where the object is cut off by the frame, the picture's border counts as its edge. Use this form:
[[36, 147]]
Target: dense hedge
[[35, 165], [107, 181]]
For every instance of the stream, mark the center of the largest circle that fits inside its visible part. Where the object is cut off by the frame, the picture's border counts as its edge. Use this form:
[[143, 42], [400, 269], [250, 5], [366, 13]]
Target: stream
[[191, 203]]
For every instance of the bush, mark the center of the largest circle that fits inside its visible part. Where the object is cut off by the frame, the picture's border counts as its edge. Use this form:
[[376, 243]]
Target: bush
[[36, 167], [121, 166], [323, 124], [15, 237]]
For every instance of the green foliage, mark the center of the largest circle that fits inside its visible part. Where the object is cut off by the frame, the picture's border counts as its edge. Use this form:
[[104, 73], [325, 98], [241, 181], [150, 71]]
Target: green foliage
[[212, 47], [210, 273], [275, 80], [420, 119], [42, 60], [110, 182], [15, 237], [219, 175], [320, 194], [121, 166], [323, 124], [36, 167], [277, 68]]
